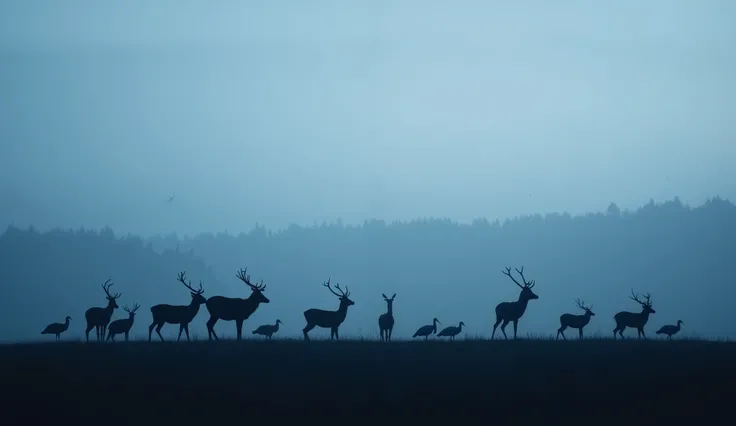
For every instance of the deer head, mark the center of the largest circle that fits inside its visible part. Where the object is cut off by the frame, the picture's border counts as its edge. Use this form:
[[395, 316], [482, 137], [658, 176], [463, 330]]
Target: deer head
[[343, 295], [111, 298], [389, 301], [587, 309], [196, 294], [131, 312], [526, 289], [258, 289], [646, 304]]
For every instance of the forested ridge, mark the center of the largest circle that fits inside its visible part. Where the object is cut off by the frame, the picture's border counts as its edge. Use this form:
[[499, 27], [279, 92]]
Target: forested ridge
[[683, 255]]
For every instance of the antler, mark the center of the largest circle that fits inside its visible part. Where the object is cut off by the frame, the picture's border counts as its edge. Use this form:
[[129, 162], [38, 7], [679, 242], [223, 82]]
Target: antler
[[581, 305], [244, 277], [386, 298], [131, 311], [527, 284], [635, 298], [106, 287], [345, 293], [181, 278]]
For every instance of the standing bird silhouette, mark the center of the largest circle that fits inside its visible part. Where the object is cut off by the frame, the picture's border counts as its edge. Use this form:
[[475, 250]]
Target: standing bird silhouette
[[451, 331], [427, 330], [268, 329], [670, 330], [57, 328]]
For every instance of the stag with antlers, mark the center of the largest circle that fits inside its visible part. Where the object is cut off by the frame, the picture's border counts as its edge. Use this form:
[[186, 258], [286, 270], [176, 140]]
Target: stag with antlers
[[575, 321], [512, 311], [386, 321], [98, 318], [122, 326], [177, 314], [632, 319], [329, 319], [233, 308]]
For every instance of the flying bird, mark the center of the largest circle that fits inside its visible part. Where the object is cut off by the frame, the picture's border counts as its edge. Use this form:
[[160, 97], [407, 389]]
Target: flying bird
[[171, 199]]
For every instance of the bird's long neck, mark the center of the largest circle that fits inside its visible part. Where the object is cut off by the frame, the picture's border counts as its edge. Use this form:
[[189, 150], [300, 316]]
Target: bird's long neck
[[434, 326], [460, 327], [276, 326]]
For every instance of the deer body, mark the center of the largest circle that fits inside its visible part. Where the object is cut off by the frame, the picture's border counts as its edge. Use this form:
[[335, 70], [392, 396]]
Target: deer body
[[386, 321], [575, 321], [57, 328], [98, 318], [177, 314], [122, 326], [328, 319], [634, 320], [511, 311], [233, 308]]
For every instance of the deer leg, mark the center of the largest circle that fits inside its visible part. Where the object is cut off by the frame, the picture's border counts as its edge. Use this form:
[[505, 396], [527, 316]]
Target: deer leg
[[86, 332], [211, 327], [186, 330], [498, 321], [503, 328], [126, 335], [150, 330], [337, 334], [181, 329], [158, 331], [390, 332], [580, 332], [382, 335], [239, 327], [643, 334], [306, 330], [561, 331]]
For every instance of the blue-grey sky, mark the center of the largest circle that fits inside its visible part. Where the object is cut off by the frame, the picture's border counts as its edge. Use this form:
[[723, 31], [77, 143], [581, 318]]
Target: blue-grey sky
[[294, 112]]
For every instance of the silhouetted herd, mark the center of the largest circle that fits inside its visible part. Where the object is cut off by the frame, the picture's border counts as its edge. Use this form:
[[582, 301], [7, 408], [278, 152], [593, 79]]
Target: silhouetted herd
[[238, 310]]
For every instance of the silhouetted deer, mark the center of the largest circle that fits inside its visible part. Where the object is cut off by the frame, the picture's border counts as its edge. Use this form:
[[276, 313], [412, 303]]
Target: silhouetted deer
[[268, 330], [386, 321], [122, 325], [575, 321], [670, 330], [99, 318], [177, 314], [634, 320], [235, 309], [57, 328], [451, 331], [427, 330], [512, 311], [329, 319]]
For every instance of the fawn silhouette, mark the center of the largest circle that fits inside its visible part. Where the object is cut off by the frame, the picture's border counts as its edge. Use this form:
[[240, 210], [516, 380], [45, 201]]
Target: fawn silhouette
[[233, 308], [57, 328], [122, 326], [386, 321], [575, 321], [177, 314], [634, 320], [329, 319], [99, 318], [268, 329], [451, 331], [670, 330], [427, 330], [512, 311]]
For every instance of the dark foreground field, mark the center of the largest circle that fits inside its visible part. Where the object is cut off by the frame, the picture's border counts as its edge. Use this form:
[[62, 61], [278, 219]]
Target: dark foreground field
[[588, 383]]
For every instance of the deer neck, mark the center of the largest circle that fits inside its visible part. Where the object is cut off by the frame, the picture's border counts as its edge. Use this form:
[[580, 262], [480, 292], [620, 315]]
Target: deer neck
[[390, 310], [342, 311], [521, 303], [586, 318], [644, 315], [109, 308], [193, 308]]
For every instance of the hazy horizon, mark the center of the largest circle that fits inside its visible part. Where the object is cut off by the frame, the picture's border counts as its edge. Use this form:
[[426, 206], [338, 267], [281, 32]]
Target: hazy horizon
[[300, 113]]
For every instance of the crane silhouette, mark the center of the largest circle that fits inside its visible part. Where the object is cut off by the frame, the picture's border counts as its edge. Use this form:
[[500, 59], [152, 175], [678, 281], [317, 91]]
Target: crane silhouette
[[427, 330], [451, 331], [57, 328], [670, 329]]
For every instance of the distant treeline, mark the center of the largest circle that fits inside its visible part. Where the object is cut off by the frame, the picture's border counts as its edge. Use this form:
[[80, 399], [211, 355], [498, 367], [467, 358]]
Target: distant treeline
[[683, 256]]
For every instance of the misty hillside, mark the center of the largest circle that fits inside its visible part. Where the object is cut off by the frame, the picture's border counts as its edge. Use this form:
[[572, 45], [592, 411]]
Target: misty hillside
[[50, 275], [682, 255]]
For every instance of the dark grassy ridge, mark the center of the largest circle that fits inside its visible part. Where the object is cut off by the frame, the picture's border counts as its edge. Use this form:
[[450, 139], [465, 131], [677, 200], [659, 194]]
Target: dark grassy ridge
[[476, 380]]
